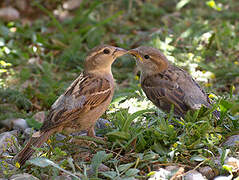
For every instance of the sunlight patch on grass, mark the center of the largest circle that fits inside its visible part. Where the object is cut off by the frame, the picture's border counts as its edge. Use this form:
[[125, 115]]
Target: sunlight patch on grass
[[133, 105]]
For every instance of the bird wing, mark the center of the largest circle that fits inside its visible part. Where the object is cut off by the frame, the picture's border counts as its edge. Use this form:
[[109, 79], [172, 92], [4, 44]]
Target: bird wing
[[84, 94], [163, 92], [195, 96], [175, 86]]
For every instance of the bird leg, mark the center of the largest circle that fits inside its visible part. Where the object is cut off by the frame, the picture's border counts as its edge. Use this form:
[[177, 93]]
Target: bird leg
[[91, 132]]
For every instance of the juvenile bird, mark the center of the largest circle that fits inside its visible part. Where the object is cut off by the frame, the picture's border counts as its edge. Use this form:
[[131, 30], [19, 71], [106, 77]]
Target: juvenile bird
[[84, 101], [165, 84]]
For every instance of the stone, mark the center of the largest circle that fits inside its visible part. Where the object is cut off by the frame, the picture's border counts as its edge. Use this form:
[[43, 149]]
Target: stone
[[172, 168], [24, 176], [72, 4], [102, 168], [102, 123], [9, 14], [15, 123], [6, 167], [8, 142], [224, 177], [20, 124], [34, 60], [21, 5], [40, 116], [28, 132], [194, 175], [232, 141], [61, 15], [63, 177], [6, 157], [162, 174], [233, 163], [207, 171]]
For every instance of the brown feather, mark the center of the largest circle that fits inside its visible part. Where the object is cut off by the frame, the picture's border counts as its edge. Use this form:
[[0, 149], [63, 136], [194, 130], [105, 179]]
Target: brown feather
[[35, 141], [165, 84], [83, 102], [85, 93]]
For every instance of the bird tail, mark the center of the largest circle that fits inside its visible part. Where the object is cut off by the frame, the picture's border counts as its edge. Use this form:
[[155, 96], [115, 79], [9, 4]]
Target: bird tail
[[36, 140]]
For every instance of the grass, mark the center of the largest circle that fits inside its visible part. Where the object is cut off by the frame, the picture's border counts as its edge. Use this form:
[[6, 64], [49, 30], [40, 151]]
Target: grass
[[201, 37]]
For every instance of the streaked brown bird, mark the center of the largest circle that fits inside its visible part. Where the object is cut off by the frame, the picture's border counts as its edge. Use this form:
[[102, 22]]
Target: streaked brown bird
[[83, 102], [165, 84]]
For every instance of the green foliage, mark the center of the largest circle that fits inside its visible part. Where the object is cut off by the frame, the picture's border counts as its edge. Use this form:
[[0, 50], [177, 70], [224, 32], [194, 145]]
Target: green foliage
[[33, 123], [43, 162], [98, 158], [15, 97]]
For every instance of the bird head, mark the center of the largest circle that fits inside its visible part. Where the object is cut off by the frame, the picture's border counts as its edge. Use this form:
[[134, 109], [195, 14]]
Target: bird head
[[149, 60], [101, 58]]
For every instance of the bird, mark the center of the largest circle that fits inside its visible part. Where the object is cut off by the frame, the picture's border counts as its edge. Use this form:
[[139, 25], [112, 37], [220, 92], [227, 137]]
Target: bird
[[83, 102], [167, 85]]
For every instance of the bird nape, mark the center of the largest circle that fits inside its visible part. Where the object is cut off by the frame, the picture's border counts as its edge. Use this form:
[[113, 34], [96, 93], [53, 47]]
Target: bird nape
[[165, 84], [84, 101]]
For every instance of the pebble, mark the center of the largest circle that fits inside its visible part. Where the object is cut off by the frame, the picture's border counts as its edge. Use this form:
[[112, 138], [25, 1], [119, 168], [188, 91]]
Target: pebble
[[24, 176], [162, 174], [72, 4], [172, 168], [63, 177], [9, 14], [233, 163], [21, 5], [15, 123], [6, 167], [207, 171], [194, 175], [7, 142], [28, 132], [40, 116], [232, 141], [101, 168], [224, 177], [34, 61]]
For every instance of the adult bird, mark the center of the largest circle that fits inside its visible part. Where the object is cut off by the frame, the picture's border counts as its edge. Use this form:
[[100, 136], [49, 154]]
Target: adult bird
[[165, 84], [84, 101]]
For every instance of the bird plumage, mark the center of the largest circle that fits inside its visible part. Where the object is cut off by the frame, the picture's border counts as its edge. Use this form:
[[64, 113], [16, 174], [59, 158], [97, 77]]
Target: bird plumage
[[165, 84], [84, 101]]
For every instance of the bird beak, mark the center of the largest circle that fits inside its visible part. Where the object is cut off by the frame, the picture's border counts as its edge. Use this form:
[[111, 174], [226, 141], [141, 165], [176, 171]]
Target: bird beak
[[119, 52], [136, 54]]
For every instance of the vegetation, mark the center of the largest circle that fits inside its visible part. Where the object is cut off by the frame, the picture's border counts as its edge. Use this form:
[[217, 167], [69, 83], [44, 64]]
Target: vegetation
[[41, 57]]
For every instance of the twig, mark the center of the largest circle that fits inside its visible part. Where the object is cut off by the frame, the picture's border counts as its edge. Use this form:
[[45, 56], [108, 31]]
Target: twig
[[172, 164], [117, 154], [178, 173]]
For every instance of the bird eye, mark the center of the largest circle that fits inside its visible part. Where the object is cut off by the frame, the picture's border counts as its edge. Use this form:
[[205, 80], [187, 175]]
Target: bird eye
[[106, 51], [146, 56]]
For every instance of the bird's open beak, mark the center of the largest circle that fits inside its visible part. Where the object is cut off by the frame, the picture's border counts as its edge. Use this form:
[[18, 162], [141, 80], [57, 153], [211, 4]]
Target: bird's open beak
[[136, 54], [119, 52]]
